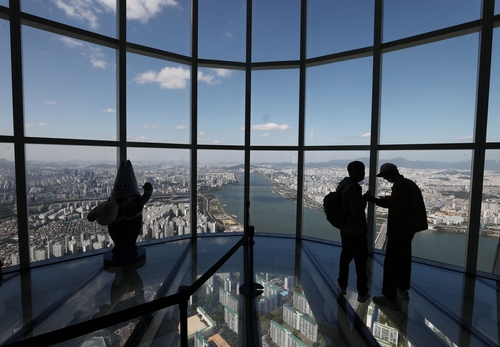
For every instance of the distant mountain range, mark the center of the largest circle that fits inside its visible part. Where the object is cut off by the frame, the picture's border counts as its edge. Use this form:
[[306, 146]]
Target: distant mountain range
[[412, 164], [5, 164], [400, 162]]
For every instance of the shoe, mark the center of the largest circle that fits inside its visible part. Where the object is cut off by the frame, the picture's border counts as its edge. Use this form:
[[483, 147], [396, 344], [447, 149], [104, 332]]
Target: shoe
[[384, 301], [363, 298], [403, 295], [342, 291]]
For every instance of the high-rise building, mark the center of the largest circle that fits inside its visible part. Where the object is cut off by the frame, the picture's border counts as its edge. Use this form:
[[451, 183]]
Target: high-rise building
[[284, 337], [231, 318], [59, 250]]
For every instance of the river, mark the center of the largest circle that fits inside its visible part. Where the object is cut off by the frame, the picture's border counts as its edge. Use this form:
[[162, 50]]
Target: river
[[272, 213]]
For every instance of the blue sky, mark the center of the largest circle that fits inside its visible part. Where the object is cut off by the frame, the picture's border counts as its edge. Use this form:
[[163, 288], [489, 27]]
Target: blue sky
[[428, 92]]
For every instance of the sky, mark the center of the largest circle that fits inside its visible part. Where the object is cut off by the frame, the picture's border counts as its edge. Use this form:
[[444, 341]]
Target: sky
[[428, 92]]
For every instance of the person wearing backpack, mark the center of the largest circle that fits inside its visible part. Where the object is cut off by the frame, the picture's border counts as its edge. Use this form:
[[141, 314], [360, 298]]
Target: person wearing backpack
[[354, 231]]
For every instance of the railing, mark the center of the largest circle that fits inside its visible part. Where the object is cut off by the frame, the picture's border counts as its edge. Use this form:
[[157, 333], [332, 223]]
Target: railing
[[249, 289]]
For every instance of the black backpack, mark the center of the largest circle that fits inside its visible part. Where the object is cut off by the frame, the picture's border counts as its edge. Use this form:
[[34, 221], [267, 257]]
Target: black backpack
[[332, 205]]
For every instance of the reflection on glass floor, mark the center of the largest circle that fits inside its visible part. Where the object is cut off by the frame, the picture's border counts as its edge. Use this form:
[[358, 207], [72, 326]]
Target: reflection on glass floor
[[299, 306], [445, 308]]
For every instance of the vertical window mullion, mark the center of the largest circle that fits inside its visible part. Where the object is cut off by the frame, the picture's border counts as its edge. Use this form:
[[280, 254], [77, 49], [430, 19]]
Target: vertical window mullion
[[122, 80], [194, 117], [19, 140], [482, 95], [302, 99], [375, 125]]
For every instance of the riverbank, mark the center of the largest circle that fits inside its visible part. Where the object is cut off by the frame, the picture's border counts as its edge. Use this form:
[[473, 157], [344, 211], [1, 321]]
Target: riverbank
[[291, 194]]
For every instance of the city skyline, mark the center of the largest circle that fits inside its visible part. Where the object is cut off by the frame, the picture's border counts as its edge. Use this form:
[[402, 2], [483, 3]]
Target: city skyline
[[490, 164], [64, 193]]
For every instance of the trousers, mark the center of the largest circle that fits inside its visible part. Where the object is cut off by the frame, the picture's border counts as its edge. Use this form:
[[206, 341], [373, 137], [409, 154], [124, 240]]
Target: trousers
[[397, 265], [354, 247]]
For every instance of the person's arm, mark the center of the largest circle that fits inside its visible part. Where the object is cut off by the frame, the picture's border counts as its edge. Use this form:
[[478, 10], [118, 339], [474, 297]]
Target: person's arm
[[385, 202]]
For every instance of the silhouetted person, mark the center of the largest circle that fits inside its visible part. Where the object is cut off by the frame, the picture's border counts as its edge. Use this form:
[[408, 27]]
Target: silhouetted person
[[407, 216], [353, 232]]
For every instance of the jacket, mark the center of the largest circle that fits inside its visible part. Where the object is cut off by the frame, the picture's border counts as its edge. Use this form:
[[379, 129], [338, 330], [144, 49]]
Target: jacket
[[354, 207], [407, 214]]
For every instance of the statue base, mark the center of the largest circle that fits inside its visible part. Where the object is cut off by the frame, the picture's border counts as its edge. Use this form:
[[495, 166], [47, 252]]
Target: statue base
[[111, 259]]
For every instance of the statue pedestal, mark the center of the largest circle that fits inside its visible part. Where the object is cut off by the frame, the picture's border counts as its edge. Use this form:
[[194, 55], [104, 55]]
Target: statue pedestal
[[111, 259]]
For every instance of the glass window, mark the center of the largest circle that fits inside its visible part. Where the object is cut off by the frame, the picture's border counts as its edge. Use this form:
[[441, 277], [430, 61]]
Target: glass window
[[408, 18], [275, 107], [444, 180], [429, 92], [336, 26], [64, 183], [4, 3], [69, 87], [94, 15], [323, 171], [167, 212], [273, 191], [9, 245], [494, 102], [221, 182], [158, 100], [275, 30], [221, 106], [487, 259], [164, 25], [222, 30], [6, 118], [338, 103]]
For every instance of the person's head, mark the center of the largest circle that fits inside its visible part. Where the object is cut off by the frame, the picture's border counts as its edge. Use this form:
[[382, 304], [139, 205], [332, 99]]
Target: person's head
[[389, 172], [356, 170]]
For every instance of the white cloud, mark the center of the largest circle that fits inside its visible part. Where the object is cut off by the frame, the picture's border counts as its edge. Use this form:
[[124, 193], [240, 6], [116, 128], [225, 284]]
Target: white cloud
[[81, 10], [143, 10], [208, 79], [39, 124], [216, 142], [50, 102], [89, 11], [271, 127], [167, 78], [180, 127], [177, 77], [264, 135], [223, 72], [228, 34], [366, 135], [202, 133], [68, 41], [109, 110], [467, 137], [99, 63], [147, 126], [95, 55], [142, 139]]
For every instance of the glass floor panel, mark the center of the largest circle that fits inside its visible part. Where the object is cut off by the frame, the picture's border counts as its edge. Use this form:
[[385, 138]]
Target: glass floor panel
[[299, 304], [437, 313]]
